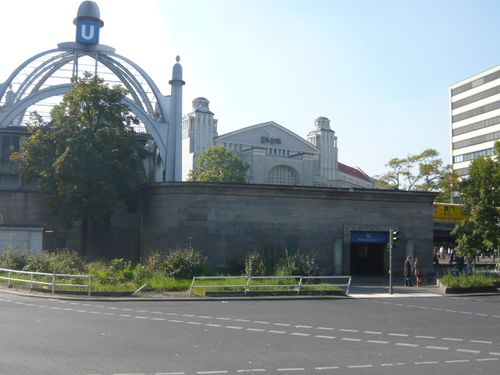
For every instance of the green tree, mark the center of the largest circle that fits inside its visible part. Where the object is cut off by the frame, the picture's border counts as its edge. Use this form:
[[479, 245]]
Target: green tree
[[480, 193], [421, 172], [219, 165], [85, 159]]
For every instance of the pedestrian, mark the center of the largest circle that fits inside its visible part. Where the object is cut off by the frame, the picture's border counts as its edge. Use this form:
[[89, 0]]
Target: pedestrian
[[407, 272], [419, 271], [441, 252]]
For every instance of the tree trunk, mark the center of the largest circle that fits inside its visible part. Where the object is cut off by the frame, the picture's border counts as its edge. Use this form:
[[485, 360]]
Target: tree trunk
[[83, 235]]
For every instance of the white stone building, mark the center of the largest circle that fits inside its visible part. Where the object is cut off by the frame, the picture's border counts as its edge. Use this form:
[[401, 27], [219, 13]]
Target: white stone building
[[475, 118], [275, 154]]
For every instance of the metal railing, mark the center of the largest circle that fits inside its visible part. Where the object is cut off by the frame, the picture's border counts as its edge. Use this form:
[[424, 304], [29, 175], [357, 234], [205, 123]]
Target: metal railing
[[32, 280], [246, 285]]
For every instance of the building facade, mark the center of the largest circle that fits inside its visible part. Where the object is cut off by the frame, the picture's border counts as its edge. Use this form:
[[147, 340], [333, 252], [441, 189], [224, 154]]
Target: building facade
[[475, 118], [275, 155]]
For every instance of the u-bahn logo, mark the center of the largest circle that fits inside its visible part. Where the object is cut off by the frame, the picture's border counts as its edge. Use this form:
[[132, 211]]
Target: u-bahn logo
[[87, 31]]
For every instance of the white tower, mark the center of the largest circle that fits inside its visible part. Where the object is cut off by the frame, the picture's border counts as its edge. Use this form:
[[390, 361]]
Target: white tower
[[199, 129], [324, 138]]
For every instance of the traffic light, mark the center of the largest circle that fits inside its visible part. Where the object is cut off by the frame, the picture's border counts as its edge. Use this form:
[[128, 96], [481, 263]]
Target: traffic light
[[394, 235]]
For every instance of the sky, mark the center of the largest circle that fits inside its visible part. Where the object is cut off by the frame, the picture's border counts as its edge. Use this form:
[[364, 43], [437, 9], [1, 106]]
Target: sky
[[380, 70]]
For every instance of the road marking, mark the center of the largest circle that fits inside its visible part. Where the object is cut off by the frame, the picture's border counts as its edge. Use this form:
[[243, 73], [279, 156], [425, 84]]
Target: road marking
[[254, 329], [479, 314], [493, 353], [437, 347], [481, 341], [275, 331], [469, 351], [326, 328], [452, 311], [252, 370], [159, 319], [241, 320], [350, 339], [124, 315], [348, 330], [291, 369], [204, 317], [213, 325], [398, 334], [457, 361], [222, 318], [233, 327], [300, 334], [175, 321], [425, 337], [188, 315], [170, 373], [386, 364], [373, 332], [282, 324], [324, 337], [406, 344], [378, 342], [326, 368], [451, 339], [140, 317], [302, 326], [359, 366], [466, 312], [486, 359], [426, 363], [260, 322], [194, 323], [436, 309], [212, 372]]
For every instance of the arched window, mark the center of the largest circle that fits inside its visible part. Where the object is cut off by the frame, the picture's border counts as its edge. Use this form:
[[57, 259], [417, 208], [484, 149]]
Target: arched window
[[283, 175]]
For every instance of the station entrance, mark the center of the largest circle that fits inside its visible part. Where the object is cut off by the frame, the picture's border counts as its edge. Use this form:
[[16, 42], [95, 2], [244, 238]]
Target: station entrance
[[367, 253]]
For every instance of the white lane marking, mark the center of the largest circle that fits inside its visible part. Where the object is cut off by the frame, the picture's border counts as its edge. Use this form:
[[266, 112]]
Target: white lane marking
[[204, 317], [213, 325], [373, 332], [140, 317], [302, 326], [348, 330], [212, 372], [493, 353], [241, 320], [486, 359], [479, 314], [233, 327], [457, 361], [326, 328], [326, 368], [255, 330], [436, 309], [426, 363], [175, 321], [252, 370], [170, 373], [406, 344], [377, 342], [195, 323], [276, 331], [466, 312], [350, 339], [324, 337], [291, 369], [481, 341], [260, 322], [398, 334], [437, 347], [124, 315], [159, 319], [451, 339], [282, 324], [386, 364], [423, 307], [359, 366], [222, 318], [188, 315], [110, 308], [469, 351], [300, 334], [425, 337], [452, 311], [496, 316]]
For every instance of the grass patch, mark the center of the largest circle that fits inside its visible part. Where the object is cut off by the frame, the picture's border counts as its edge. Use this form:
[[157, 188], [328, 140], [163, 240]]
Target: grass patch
[[466, 281]]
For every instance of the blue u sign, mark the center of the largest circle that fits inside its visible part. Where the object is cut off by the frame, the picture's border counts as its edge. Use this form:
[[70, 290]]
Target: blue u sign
[[87, 31]]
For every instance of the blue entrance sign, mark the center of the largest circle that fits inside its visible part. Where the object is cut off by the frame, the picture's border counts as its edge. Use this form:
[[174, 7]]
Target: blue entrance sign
[[369, 237], [87, 31]]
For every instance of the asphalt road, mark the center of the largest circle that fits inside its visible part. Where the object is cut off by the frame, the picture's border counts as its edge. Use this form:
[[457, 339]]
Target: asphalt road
[[425, 335]]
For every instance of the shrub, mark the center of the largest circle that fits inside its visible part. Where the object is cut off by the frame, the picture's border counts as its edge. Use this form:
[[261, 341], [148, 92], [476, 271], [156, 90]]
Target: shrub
[[299, 264], [464, 281], [185, 263], [255, 265], [155, 262], [13, 259], [61, 261]]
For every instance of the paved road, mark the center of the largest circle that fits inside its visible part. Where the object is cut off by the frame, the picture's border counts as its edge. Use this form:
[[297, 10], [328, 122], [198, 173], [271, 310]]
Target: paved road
[[425, 335]]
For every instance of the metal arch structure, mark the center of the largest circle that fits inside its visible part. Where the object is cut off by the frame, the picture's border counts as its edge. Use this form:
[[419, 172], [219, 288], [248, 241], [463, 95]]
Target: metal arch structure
[[48, 75]]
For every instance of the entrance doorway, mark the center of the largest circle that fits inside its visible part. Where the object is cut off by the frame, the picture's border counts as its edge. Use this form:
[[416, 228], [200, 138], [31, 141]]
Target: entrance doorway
[[367, 253]]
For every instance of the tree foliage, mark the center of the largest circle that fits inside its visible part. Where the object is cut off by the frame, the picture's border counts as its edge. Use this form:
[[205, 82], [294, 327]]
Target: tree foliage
[[480, 193], [422, 172], [85, 159], [219, 165]]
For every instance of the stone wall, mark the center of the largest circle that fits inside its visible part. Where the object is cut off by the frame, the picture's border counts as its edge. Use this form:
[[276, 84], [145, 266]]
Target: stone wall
[[224, 219]]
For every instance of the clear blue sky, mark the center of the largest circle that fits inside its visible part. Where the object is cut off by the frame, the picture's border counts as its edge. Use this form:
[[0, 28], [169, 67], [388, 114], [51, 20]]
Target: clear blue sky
[[379, 69]]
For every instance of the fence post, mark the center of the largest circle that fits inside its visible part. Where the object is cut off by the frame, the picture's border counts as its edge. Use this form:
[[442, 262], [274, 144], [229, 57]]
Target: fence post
[[90, 284], [31, 281], [9, 281], [191, 289], [298, 287], [247, 284], [53, 282]]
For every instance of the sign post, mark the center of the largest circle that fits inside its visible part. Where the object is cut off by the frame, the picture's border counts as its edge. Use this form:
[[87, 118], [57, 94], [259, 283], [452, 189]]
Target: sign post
[[393, 238]]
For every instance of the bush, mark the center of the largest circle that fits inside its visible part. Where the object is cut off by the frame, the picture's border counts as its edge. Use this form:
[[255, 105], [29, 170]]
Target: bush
[[13, 259], [255, 265], [465, 281], [61, 261], [155, 262], [185, 263], [298, 265]]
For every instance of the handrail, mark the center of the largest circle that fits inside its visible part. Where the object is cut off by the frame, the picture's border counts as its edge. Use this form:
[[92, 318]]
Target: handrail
[[52, 283], [246, 286]]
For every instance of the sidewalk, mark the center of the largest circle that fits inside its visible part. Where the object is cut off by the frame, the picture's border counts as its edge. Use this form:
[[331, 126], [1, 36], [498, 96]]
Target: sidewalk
[[378, 287]]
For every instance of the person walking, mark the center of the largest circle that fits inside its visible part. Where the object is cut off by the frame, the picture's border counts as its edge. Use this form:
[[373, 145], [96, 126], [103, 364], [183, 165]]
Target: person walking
[[407, 270], [419, 271]]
